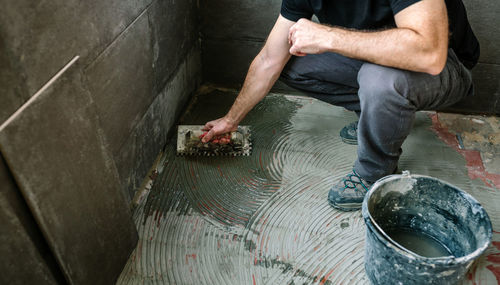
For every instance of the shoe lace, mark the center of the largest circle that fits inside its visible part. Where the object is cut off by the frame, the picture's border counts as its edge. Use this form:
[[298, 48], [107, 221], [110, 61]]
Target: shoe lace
[[354, 126], [349, 183], [352, 129]]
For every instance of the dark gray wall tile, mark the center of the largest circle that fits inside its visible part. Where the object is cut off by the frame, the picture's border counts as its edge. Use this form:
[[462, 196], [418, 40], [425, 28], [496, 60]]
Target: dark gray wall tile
[[175, 29], [226, 62], [55, 151], [483, 16], [232, 34], [12, 83], [127, 77], [229, 19], [487, 91], [121, 82], [39, 38], [26, 258], [43, 36], [149, 137]]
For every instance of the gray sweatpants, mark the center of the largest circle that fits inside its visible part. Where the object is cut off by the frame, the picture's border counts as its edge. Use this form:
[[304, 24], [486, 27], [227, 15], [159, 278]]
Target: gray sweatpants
[[384, 98]]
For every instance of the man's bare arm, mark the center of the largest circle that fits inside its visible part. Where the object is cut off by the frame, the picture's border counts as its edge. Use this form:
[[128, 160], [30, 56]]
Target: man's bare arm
[[418, 43], [262, 74]]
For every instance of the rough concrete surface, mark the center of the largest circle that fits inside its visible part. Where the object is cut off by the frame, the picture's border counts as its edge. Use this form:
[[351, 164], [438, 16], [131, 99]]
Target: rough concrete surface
[[55, 151], [264, 219]]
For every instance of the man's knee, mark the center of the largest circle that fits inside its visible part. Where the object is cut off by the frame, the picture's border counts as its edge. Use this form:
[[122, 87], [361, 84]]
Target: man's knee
[[379, 84]]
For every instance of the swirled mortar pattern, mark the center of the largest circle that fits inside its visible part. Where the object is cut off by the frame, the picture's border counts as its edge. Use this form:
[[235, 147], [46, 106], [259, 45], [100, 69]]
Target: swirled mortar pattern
[[264, 219]]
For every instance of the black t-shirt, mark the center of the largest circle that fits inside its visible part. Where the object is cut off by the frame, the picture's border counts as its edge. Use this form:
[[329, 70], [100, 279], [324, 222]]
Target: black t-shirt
[[379, 14]]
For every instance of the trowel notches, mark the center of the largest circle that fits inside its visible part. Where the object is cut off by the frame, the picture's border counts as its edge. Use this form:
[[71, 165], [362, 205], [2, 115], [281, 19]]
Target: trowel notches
[[236, 143]]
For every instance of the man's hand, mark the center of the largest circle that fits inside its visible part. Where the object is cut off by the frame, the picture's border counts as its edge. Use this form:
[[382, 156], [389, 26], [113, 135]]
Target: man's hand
[[218, 127], [307, 37]]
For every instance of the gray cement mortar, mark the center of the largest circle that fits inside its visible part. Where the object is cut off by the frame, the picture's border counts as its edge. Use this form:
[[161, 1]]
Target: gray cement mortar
[[264, 219]]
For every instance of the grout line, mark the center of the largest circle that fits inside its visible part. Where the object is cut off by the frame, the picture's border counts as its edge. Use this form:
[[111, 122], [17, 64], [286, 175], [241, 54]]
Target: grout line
[[38, 93], [488, 62], [119, 35], [230, 39]]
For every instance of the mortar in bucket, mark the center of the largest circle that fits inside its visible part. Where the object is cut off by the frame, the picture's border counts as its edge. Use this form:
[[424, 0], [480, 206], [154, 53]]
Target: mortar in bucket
[[421, 230]]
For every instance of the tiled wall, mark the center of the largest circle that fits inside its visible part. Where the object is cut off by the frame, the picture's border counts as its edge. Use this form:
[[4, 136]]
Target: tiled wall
[[24, 251], [89, 91], [483, 16], [233, 32]]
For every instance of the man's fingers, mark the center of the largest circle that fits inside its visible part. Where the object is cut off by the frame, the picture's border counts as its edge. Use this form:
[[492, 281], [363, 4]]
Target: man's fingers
[[290, 35], [208, 126], [296, 51], [215, 128], [293, 41], [208, 136]]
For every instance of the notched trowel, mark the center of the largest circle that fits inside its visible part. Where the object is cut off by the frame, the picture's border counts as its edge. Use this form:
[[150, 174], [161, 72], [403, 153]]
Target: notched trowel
[[235, 144]]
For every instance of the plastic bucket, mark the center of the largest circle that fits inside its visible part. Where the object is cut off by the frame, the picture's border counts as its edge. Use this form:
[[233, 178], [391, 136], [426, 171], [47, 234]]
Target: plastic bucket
[[421, 230]]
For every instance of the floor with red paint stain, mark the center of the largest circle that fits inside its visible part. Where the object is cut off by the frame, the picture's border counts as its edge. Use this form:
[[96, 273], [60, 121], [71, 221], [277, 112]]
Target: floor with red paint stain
[[477, 139]]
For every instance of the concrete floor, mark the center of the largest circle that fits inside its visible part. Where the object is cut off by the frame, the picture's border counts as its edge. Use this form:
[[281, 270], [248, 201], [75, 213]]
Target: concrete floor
[[264, 219]]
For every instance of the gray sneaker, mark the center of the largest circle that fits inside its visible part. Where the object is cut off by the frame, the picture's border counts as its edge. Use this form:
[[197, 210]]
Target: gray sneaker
[[348, 193], [349, 133]]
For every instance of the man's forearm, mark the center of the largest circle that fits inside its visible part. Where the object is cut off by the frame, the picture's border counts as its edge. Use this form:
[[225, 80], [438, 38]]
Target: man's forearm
[[398, 47], [261, 76]]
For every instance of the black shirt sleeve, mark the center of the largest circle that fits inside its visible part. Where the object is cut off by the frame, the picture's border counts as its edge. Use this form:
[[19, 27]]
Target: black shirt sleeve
[[294, 10], [399, 5]]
